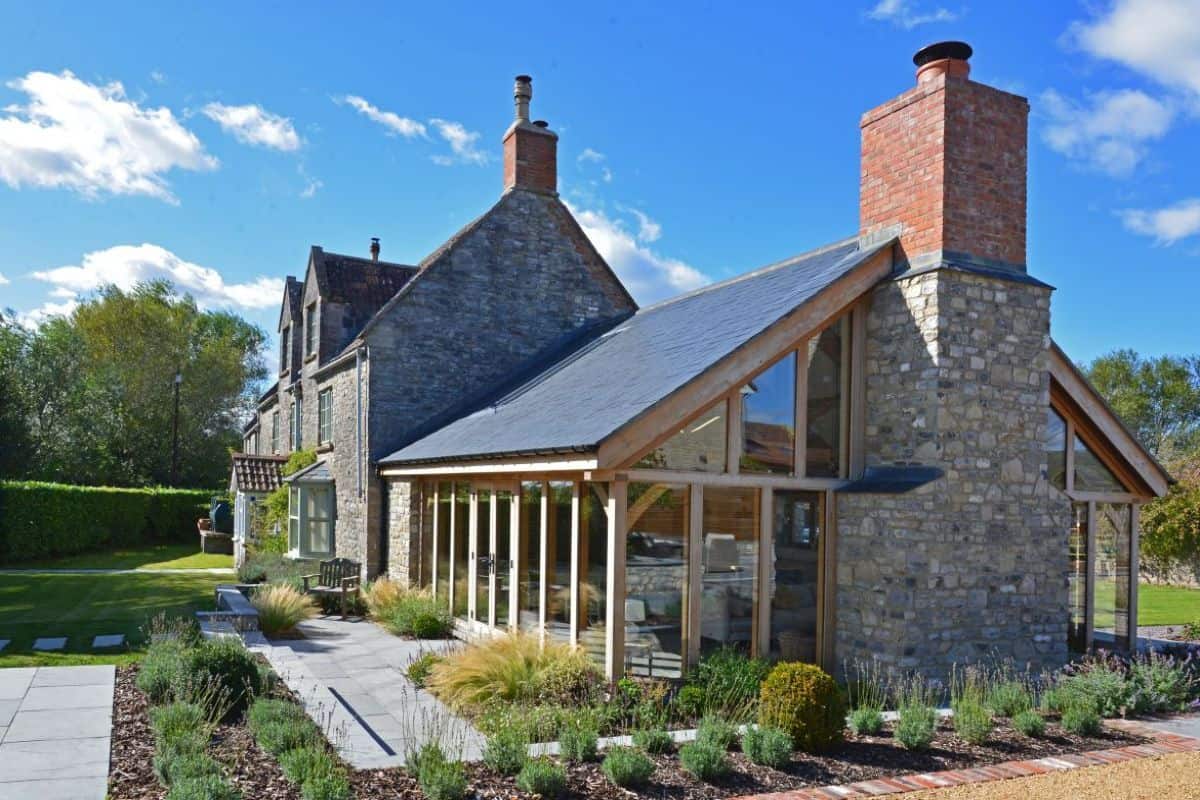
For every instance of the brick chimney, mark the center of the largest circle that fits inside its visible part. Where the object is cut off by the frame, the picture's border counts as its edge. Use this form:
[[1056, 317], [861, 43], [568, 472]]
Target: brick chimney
[[530, 148], [946, 162], [374, 248]]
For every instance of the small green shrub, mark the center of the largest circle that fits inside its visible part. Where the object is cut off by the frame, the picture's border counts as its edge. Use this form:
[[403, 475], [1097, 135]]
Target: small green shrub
[[224, 673], [207, 787], [281, 608], [803, 700], [506, 751], [418, 671], [1101, 683], [1030, 723], [266, 711], [689, 702], [542, 776], [916, 726], [161, 671], [303, 764], [428, 753], [578, 744], [330, 786], [770, 747], [432, 624], [1009, 698], [1160, 684], [653, 740], [282, 735], [569, 681], [866, 721], [1081, 719], [627, 767], [972, 721], [442, 780], [704, 761], [729, 682], [176, 721], [717, 731], [174, 763], [268, 567]]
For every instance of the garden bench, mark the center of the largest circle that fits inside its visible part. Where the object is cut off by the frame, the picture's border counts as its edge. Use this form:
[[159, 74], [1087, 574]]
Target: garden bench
[[337, 577]]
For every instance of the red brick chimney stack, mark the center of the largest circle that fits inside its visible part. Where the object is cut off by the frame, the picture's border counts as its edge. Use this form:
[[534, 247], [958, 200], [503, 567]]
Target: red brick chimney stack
[[530, 148], [946, 162]]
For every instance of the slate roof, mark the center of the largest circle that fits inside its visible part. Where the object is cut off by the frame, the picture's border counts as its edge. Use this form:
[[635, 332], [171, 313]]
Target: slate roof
[[253, 473], [317, 473], [359, 282], [584, 397]]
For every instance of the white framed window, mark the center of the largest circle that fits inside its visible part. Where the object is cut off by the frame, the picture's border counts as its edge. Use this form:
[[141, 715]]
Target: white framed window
[[311, 521], [297, 426], [325, 416]]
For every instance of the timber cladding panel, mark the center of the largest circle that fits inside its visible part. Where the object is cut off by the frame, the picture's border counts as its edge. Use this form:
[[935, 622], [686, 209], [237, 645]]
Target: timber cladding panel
[[973, 565]]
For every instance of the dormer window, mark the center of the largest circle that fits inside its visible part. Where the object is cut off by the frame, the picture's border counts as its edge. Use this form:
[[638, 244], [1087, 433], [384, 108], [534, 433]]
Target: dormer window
[[310, 329], [284, 338]]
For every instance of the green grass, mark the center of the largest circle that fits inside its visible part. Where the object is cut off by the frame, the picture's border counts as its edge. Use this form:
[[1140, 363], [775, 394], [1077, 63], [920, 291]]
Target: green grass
[[151, 556], [1157, 605], [82, 606]]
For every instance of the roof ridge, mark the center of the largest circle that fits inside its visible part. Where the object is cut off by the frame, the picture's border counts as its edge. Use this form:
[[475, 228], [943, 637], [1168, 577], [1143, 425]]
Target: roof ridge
[[775, 265]]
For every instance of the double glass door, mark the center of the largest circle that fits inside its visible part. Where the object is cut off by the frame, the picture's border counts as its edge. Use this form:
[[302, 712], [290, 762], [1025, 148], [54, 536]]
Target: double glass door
[[490, 556]]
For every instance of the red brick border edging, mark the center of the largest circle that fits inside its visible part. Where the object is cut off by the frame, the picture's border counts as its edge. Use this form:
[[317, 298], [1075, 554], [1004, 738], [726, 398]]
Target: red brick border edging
[[1163, 744]]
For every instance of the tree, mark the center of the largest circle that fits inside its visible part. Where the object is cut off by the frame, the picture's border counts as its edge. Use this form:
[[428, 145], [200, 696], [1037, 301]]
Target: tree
[[93, 392], [1158, 398]]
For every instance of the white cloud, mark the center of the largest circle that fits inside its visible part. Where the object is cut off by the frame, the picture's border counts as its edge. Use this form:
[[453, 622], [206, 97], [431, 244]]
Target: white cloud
[[648, 229], [606, 174], [3, 280], [36, 316], [158, 76], [649, 276], [125, 265], [1167, 225], [396, 124], [1157, 38], [253, 124], [462, 142], [905, 14], [93, 140], [1110, 132], [588, 154], [310, 190]]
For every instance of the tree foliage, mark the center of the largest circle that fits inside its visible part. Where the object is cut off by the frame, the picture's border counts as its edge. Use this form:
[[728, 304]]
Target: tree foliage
[[88, 399], [1158, 398]]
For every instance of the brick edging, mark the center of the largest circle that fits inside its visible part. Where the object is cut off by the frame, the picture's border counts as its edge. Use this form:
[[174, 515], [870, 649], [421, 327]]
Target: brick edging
[[1162, 744]]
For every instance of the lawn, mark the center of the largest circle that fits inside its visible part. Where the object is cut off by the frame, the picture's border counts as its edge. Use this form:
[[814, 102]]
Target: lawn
[[1157, 605], [83, 606], [151, 556]]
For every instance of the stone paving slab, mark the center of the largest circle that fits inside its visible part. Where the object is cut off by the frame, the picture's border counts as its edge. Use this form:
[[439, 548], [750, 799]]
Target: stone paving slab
[[50, 698], [23, 761], [8, 708], [102, 675], [50, 643], [58, 724], [15, 682], [57, 789]]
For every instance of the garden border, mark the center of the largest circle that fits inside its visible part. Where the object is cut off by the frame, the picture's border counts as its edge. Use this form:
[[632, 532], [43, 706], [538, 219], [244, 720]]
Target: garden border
[[1163, 743]]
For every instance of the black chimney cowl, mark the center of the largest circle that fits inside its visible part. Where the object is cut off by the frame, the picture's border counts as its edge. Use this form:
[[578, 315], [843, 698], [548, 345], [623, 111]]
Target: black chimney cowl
[[960, 51]]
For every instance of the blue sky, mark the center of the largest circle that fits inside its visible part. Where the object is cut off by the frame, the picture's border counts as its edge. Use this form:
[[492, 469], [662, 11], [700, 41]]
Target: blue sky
[[215, 144]]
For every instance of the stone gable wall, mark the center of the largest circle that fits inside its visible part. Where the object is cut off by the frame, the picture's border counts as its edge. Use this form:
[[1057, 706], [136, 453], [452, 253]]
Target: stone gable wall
[[974, 564]]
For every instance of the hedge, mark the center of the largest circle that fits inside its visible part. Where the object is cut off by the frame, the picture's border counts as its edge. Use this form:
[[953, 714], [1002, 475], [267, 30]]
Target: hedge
[[44, 520]]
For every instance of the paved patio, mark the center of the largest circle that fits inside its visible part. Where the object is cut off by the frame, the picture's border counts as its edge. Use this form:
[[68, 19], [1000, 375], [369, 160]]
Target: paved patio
[[350, 677], [55, 730]]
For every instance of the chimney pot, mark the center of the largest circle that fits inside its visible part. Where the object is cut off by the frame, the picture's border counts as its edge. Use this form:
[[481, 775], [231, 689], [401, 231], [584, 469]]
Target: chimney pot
[[541, 123], [943, 58], [374, 248], [522, 94]]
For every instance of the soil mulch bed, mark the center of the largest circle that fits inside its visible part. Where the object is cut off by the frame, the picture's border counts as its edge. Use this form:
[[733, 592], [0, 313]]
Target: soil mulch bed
[[257, 775], [859, 758], [131, 768]]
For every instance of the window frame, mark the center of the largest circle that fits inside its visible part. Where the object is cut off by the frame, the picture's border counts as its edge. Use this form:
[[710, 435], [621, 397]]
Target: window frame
[[325, 416], [275, 432], [300, 521], [310, 330], [285, 362]]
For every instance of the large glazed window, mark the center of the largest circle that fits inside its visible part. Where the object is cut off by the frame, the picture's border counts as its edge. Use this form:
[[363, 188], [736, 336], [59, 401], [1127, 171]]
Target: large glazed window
[[529, 556], [593, 567], [444, 579], [729, 568], [503, 555], [325, 416], [1055, 445], [1077, 579], [769, 419], [1111, 576], [316, 533], [462, 515], [698, 447], [481, 552], [425, 568], [825, 356], [558, 562], [294, 519], [795, 575], [656, 565], [1090, 473]]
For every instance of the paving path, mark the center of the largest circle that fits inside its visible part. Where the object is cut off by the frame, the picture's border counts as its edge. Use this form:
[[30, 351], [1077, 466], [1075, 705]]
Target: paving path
[[350, 677], [55, 732]]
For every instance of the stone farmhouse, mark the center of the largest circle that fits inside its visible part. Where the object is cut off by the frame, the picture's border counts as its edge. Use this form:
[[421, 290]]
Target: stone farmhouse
[[871, 449]]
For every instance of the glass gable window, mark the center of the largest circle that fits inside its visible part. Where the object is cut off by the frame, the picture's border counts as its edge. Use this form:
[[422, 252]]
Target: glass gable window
[[1111, 571], [825, 403], [698, 447], [729, 568], [656, 572], [325, 416], [769, 419], [1055, 445], [1090, 473], [1077, 579]]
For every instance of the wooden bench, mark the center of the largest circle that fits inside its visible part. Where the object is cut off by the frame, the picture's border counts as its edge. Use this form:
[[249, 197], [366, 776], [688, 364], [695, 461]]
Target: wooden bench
[[341, 577]]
